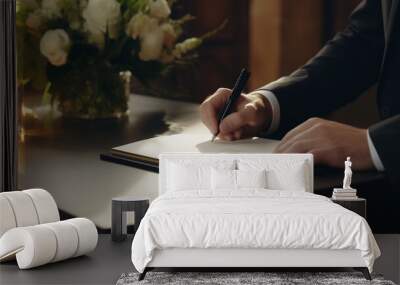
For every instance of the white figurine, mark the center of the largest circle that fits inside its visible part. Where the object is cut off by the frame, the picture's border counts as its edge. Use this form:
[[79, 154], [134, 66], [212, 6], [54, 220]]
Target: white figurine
[[347, 192], [347, 174]]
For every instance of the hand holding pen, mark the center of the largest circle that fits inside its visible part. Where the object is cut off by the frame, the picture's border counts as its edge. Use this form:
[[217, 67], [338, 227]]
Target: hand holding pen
[[249, 114], [236, 92]]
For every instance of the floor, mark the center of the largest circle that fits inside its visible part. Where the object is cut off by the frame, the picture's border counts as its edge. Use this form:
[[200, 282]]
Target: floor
[[102, 266], [389, 262], [110, 260]]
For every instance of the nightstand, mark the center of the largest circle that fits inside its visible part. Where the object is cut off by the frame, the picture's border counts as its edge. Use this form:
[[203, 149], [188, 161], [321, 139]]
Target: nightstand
[[358, 205], [120, 208]]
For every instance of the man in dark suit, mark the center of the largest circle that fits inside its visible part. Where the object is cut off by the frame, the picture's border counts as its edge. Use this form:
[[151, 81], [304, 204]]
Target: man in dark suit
[[365, 53]]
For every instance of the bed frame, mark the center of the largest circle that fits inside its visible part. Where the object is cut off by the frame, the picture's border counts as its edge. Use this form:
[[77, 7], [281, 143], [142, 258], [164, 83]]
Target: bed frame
[[242, 259], [245, 258]]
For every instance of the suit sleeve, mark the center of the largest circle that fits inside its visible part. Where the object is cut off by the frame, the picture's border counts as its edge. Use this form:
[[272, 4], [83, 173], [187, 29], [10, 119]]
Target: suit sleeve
[[344, 68], [386, 137]]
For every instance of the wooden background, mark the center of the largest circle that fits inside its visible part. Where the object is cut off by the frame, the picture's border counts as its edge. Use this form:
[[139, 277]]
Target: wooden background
[[270, 37]]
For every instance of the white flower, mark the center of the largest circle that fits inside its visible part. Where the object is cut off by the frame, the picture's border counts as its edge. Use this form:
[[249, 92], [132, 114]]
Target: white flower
[[186, 46], [83, 4], [151, 45], [139, 25], [150, 33], [51, 8], [159, 9], [102, 16], [55, 45], [34, 20]]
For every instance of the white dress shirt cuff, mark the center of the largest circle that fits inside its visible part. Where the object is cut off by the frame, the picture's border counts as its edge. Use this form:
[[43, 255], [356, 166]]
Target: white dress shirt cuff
[[276, 111], [374, 155]]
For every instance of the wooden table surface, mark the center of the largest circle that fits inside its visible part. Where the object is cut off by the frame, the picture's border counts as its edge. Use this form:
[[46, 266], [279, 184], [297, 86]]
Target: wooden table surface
[[62, 155]]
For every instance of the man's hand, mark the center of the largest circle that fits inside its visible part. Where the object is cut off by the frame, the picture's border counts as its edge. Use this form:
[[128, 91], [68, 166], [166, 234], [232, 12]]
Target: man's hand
[[251, 115], [329, 142]]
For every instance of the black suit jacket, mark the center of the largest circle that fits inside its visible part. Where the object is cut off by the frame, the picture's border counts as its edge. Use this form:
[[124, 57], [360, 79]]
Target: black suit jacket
[[364, 54]]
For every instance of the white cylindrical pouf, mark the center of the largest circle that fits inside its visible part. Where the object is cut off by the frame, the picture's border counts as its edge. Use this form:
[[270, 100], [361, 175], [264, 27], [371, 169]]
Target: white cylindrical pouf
[[7, 218], [45, 205], [87, 235], [40, 244], [23, 208], [35, 245], [67, 239]]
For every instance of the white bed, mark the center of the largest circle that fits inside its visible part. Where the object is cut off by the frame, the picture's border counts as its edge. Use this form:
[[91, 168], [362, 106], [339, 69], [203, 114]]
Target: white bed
[[203, 226]]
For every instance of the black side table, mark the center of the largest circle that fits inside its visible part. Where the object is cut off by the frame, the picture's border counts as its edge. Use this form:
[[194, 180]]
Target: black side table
[[120, 208], [358, 206]]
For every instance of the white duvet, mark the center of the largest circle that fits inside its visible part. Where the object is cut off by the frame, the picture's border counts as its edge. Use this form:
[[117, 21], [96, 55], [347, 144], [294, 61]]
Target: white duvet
[[250, 219]]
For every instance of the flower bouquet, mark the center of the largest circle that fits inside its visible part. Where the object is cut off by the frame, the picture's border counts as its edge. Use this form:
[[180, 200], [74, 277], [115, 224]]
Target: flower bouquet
[[82, 52]]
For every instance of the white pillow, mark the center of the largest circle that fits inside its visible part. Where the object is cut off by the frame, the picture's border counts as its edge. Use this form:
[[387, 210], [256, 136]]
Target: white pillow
[[183, 178], [289, 175], [186, 175], [251, 178], [222, 179]]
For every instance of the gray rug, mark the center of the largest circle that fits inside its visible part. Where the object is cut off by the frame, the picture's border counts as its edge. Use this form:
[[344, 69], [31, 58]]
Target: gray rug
[[243, 278]]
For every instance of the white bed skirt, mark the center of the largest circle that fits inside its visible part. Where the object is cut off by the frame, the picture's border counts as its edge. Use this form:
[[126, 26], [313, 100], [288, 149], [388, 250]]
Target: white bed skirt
[[235, 257]]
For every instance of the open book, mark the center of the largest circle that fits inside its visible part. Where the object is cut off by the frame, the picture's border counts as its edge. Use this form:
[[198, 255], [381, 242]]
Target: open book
[[148, 150]]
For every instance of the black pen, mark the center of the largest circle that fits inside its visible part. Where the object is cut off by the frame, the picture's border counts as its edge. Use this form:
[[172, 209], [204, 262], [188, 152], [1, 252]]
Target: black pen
[[236, 91]]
